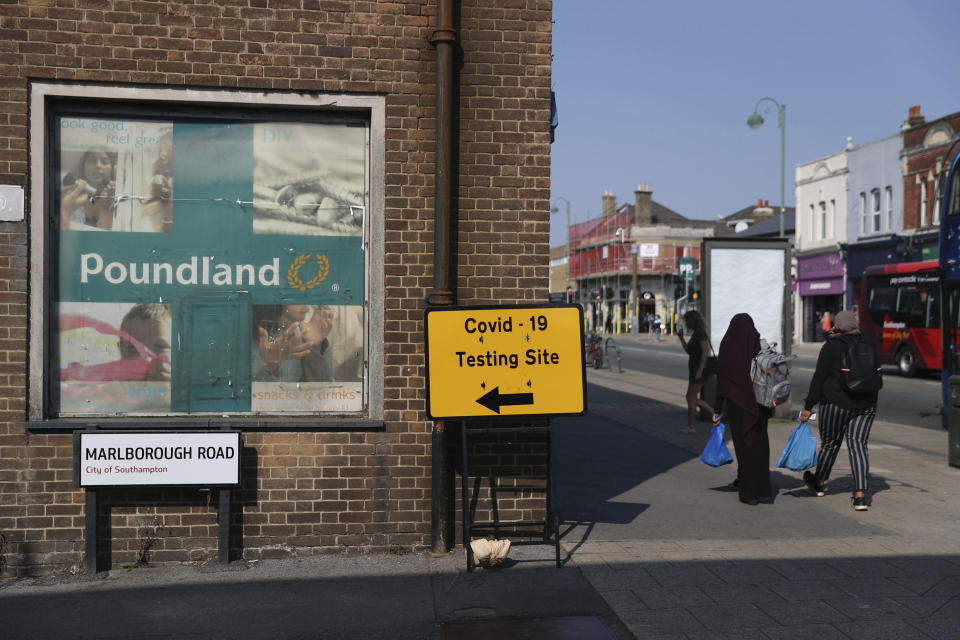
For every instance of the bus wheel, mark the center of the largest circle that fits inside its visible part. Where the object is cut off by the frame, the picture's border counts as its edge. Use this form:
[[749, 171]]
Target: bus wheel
[[906, 361]]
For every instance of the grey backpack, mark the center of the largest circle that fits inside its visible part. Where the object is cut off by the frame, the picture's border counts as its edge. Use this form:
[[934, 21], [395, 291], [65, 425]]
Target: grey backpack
[[770, 373]]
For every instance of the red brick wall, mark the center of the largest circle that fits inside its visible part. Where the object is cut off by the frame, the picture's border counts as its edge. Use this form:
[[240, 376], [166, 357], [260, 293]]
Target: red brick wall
[[304, 492], [922, 163]]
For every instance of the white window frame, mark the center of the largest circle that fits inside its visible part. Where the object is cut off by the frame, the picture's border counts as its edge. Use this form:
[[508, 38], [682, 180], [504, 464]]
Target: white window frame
[[923, 203], [833, 213], [889, 194], [128, 97], [864, 219], [823, 220], [936, 203], [875, 209]]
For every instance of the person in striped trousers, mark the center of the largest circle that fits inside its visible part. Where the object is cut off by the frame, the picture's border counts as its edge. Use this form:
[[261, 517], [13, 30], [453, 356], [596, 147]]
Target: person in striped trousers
[[842, 414]]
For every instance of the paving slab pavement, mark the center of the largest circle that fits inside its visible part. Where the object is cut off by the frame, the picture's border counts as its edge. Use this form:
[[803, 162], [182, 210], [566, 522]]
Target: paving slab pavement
[[412, 596], [665, 541]]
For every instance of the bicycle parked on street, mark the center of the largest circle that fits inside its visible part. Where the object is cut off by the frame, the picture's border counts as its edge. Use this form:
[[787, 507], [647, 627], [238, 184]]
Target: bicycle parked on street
[[594, 349], [597, 351]]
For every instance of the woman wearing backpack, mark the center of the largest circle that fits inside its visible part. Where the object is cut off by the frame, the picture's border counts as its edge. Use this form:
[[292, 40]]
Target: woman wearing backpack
[[736, 402], [842, 411]]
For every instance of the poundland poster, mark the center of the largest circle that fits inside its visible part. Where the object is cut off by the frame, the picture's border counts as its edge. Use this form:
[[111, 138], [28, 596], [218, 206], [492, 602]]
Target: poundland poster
[[210, 267]]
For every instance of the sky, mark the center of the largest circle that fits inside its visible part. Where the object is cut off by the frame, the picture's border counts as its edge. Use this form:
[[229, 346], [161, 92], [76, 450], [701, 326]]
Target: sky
[[659, 92]]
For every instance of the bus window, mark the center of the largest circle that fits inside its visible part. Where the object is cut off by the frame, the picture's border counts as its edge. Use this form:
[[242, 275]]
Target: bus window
[[952, 203], [882, 301], [909, 307], [952, 293], [932, 309]]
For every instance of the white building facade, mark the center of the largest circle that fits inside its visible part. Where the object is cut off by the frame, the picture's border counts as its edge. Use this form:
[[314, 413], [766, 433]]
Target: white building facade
[[821, 227]]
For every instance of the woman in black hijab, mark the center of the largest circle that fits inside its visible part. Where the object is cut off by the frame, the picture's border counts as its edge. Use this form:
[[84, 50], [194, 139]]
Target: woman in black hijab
[[735, 401]]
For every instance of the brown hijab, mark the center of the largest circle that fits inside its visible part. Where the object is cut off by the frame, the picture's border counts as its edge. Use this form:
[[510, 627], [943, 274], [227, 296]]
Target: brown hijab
[[740, 344]]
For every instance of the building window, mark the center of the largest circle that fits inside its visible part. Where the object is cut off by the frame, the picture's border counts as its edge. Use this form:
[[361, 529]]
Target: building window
[[864, 218], [813, 224], [889, 194], [936, 203], [211, 262], [875, 209], [923, 203], [823, 220]]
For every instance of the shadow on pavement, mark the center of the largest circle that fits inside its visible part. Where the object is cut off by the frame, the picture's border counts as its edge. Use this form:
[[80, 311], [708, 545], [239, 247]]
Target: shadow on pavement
[[368, 597], [802, 597], [624, 474]]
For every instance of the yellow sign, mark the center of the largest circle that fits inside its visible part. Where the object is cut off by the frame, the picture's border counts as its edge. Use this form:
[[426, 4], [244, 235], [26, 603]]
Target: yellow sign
[[510, 360]]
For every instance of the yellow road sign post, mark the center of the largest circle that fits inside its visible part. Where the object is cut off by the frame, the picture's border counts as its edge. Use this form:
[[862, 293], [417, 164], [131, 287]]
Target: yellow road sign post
[[505, 360]]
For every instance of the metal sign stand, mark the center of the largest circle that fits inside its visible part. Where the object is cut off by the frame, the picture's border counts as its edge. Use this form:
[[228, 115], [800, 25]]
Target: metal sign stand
[[92, 539], [90, 529], [550, 524]]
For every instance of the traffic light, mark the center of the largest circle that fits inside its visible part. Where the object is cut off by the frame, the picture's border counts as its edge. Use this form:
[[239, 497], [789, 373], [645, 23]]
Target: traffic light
[[570, 295], [695, 295]]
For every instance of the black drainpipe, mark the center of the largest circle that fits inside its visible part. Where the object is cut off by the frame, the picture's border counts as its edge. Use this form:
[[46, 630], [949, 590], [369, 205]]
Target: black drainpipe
[[444, 38]]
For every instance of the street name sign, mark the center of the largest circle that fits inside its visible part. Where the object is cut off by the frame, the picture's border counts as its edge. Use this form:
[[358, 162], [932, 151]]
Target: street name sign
[[505, 360], [162, 459]]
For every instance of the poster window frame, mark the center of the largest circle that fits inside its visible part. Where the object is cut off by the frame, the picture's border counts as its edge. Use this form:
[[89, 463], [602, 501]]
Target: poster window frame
[[49, 101]]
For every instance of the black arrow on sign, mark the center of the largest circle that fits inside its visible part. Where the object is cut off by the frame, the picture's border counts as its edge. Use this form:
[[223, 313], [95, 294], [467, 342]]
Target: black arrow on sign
[[493, 399]]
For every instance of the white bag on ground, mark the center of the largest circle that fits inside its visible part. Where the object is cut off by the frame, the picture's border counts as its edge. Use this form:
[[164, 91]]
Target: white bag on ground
[[489, 553]]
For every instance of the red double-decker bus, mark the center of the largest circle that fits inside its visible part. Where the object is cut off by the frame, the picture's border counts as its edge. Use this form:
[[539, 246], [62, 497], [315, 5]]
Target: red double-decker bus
[[899, 310]]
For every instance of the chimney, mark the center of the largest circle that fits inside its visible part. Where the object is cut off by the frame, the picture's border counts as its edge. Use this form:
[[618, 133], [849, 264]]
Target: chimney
[[915, 118], [609, 203], [762, 212], [643, 209]]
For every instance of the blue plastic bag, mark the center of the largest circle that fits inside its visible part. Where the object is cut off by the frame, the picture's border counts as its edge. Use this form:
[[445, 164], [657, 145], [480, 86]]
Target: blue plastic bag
[[716, 453], [800, 453]]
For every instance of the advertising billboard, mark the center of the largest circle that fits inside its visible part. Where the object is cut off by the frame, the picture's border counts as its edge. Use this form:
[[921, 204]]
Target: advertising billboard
[[747, 276], [209, 267]]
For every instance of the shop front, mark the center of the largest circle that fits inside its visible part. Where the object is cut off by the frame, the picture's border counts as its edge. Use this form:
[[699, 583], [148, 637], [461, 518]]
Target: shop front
[[820, 284]]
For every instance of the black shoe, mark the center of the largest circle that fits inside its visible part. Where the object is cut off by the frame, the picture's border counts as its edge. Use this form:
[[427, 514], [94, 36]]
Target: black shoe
[[811, 481], [750, 501], [859, 503]]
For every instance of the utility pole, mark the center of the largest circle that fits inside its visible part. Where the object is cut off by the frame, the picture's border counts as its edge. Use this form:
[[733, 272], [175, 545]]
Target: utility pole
[[634, 296]]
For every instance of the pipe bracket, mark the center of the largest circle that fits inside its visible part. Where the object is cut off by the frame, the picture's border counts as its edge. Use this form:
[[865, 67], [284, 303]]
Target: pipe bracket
[[443, 36]]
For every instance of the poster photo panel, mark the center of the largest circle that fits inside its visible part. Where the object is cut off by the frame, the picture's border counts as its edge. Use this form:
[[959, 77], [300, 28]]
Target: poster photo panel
[[309, 180], [113, 358], [116, 175], [307, 358]]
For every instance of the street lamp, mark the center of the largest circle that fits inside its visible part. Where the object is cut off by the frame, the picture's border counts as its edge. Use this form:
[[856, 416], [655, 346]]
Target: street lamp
[[555, 209], [755, 121]]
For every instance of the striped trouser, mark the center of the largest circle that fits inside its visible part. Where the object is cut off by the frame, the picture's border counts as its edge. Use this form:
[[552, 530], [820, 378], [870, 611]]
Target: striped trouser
[[855, 423]]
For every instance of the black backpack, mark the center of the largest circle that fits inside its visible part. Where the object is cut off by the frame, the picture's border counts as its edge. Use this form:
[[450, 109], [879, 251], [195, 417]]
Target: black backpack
[[860, 369]]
